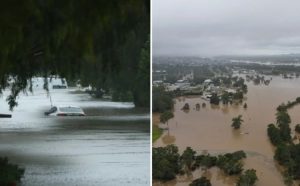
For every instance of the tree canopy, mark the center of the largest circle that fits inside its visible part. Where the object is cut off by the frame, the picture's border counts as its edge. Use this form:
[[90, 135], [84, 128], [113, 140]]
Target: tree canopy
[[248, 178], [104, 44], [203, 181], [167, 163], [287, 153], [165, 116], [237, 121], [161, 99], [10, 174]]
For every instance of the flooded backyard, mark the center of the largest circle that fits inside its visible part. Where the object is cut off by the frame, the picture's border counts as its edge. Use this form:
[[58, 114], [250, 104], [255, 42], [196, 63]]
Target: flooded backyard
[[209, 129], [109, 146]]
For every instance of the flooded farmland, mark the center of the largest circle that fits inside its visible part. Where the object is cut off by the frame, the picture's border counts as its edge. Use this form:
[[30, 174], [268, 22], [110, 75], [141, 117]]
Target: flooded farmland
[[109, 146], [209, 129]]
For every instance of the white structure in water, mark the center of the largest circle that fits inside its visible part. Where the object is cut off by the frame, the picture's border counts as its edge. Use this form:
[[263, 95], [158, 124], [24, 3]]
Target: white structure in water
[[54, 82]]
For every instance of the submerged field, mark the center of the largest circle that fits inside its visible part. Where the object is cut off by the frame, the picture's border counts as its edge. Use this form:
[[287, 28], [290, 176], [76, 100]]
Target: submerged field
[[209, 129]]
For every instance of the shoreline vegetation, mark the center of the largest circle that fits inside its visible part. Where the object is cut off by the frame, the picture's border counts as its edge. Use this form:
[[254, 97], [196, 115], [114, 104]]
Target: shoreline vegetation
[[10, 174], [156, 131], [287, 152], [162, 103], [168, 163]]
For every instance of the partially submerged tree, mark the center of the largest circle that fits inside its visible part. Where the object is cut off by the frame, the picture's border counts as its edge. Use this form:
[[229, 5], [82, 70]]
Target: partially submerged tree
[[203, 181], [188, 158], [186, 107], [237, 122], [274, 134], [225, 98], [248, 178], [231, 163], [283, 118], [215, 99], [198, 106], [166, 116], [165, 162], [297, 128]]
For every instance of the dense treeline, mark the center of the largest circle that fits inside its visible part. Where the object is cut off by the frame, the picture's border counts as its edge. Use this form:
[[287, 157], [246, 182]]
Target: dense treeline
[[101, 43], [10, 174], [162, 102], [287, 153], [161, 99], [167, 163]]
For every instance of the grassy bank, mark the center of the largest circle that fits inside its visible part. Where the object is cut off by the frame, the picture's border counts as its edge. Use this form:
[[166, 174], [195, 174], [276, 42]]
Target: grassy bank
[[156, 131]]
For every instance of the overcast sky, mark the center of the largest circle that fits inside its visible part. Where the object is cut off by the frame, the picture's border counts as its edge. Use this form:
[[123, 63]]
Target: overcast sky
[[218, 27]]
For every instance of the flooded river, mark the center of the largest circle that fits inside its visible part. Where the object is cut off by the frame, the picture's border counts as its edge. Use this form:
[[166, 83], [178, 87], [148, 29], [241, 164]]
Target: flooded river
[[110, 146], [210, 129]]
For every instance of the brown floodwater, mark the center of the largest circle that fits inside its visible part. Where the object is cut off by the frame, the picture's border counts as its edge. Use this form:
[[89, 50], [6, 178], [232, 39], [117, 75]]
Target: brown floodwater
[[209, 129]]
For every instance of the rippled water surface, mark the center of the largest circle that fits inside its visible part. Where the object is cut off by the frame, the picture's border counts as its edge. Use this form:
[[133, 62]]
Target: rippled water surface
[[110, 146]]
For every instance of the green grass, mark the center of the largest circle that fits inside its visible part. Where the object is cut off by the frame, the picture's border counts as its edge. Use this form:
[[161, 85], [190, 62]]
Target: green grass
[[156, 133]]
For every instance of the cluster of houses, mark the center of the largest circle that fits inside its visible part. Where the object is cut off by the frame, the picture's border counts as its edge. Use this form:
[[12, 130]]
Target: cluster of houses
[[206, 89]]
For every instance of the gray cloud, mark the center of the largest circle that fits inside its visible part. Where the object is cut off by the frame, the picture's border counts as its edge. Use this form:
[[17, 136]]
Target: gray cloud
[[217, 27]]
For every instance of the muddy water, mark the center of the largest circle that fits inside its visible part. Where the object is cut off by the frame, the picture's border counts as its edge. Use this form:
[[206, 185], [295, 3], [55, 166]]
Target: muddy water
[[209, 129], [109, 146]]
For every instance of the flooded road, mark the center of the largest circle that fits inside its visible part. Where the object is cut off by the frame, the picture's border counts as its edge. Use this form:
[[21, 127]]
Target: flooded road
[[110, 146], [210, 129]]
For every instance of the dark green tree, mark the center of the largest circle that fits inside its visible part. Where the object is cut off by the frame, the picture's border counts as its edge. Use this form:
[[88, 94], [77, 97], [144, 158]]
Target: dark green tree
[[225, 98], [231, 163], [166, 116], [248, 178], [281, 108], [208, 161], [188, 157], [203, 181], [283, 118], [10, 174], [141, 93], [161, 100], [285, 132], [236, 122], [297, 128], [165, 162], [238, 95], [215, 99], [274, 134], [283, 155]]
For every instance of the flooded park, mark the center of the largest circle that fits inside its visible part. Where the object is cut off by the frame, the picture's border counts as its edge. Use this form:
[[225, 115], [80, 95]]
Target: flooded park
[[209, 130], [108, 146]]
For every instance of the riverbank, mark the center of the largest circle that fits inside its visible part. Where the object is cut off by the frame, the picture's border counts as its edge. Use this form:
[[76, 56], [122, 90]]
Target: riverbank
[[156, 131]]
